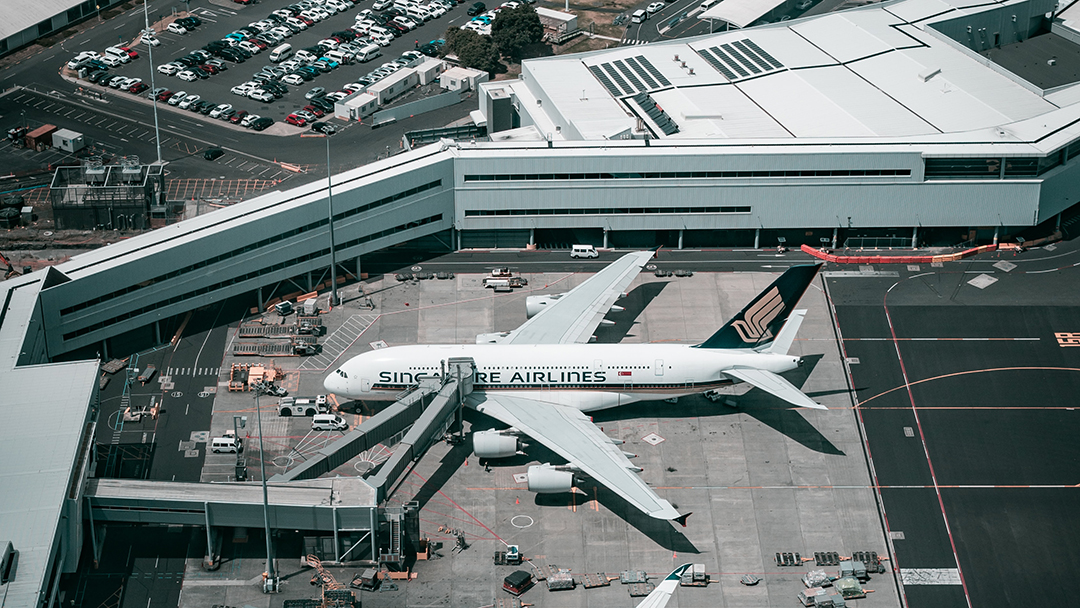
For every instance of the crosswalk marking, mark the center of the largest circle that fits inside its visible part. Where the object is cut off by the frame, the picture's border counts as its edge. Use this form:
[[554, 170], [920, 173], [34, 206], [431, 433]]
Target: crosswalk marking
[[339, 341], [193, 371]]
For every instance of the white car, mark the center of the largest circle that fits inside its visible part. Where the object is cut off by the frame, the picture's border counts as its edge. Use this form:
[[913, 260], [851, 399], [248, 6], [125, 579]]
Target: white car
[[251, 48], [328, 43], [382, 4], [293, 21], [109, 60], [282, 31], [250, 118], [261, 95], [337, 95], [436, 10], [654, 8], [406, 22], [168, 68], [130, 82], [216, 112], [292, 79], [176, 28], [177, 97], [189, 101], [241, 89], [512, 4], [74, 63], [150, 40], [187, 76]]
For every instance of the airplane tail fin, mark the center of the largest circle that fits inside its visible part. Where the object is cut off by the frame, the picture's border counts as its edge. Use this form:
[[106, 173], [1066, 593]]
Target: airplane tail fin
[[765, 315]]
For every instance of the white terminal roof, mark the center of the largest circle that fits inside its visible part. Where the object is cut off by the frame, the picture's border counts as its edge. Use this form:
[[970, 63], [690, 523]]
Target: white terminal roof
[[873, 72], [40, 457], [17, 15]]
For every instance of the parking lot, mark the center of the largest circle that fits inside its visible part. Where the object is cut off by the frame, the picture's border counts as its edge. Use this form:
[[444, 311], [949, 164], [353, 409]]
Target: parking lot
[[217, 22]]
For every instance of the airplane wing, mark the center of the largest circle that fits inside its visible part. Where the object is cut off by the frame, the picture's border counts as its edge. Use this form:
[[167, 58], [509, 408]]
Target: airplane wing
[[660, 596], [773, 384], [570, 434], [573, 318]]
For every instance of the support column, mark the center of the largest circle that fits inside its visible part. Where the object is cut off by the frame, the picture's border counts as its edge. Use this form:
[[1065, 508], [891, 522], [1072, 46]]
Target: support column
[[996, 228], [212, 559], [680, 237], [157, 332], [532, 237], [757, 238], [310, 286], [337, 544], [261, 301], [915, 237], [105, 350], [358, 269], [455, 238], [835, 232], [605, 238], [1057, 225]]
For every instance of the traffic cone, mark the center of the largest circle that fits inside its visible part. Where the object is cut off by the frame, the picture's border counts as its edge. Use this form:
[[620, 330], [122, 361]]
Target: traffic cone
[[517, 501]]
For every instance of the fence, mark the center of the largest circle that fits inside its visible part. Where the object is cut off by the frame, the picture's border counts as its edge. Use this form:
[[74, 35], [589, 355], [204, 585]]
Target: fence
[[419, 106]]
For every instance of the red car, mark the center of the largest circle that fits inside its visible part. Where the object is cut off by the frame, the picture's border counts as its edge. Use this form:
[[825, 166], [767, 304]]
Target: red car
[[131, 53], [307, 22], [211, 69], [293, 119], [245, 2], [138, 87], [164, 95], [236, 118], [316, 111], [259, 43]]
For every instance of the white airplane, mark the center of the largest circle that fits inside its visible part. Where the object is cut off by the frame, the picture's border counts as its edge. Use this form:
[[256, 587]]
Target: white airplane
[[659, 596], [542, 377]]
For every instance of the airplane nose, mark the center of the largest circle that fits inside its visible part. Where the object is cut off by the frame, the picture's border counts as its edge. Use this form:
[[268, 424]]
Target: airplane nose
[[332, 384]]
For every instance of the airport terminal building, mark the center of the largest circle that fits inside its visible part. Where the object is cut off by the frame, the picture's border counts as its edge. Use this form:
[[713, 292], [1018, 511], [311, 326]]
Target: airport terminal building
[[903, 119]]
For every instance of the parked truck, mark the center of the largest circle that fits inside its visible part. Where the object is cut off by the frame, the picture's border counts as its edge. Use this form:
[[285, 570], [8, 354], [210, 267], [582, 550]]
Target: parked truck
[[302, 406]]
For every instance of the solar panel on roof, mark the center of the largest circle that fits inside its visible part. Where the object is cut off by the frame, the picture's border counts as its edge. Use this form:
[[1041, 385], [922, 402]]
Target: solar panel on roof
[[604, 80], [743, 60], [714, 62], [658, 116], [630, 61], [757, 49], [629, 75], [617, 77], [731, 63], [752, 56], [652, 70]]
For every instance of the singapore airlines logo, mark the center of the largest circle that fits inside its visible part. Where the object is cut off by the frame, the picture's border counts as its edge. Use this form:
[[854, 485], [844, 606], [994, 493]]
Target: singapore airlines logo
[[755, 323]]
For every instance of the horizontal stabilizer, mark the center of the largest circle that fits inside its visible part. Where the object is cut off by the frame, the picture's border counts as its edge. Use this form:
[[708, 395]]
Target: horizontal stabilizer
[[773, 384], [782, 344]]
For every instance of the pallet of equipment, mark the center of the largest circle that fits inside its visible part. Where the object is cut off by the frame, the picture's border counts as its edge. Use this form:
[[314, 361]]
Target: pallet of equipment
[[258, 349], [640, 589], [560, 579], [265, 331], [629, 577], [114, 366], [591, 581], [507, 602]]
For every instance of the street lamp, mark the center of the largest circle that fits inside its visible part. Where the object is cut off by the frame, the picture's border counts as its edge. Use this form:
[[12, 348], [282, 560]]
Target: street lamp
[[334, 300], [270, 583], [150, 54]]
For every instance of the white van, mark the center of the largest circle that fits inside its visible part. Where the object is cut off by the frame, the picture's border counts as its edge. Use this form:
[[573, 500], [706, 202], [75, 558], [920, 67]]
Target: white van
[[230, 444], [707, 4], [368, 52], [584, 251], [338, 56], [639, 16], [328, 422], [120, 55], [281, 53]]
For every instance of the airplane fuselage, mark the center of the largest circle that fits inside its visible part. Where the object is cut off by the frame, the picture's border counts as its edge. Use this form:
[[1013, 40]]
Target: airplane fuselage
[[585, 376]]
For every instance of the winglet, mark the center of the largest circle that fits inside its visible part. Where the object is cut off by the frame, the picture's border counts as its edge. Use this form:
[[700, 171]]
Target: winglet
[[682, 519]]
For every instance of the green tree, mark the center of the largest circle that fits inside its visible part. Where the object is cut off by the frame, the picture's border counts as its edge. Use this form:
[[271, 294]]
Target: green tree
[[472, 49], [515, 29]]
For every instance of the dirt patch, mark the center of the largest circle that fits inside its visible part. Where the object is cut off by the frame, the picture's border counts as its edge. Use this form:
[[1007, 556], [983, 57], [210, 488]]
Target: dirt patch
[[582, 44], [599, 16]]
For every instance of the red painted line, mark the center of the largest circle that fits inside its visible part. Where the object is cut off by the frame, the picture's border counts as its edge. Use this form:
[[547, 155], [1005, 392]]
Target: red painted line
[[926, 449], [462, 509]]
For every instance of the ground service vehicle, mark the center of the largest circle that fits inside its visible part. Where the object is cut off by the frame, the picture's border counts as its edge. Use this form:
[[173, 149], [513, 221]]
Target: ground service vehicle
[[302, 406]]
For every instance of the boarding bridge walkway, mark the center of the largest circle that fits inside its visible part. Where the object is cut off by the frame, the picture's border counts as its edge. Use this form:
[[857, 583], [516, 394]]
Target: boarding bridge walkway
[[319, 504], [423, 414]]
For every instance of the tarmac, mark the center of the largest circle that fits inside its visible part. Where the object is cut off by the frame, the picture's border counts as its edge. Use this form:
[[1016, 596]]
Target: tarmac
[[760, 477]]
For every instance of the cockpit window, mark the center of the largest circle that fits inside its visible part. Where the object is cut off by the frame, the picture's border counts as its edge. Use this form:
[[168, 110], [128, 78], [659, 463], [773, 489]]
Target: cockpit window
[[342, 373]]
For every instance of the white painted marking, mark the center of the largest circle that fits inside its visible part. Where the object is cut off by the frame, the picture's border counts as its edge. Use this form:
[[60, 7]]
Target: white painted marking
[[930, 576], [982, 281]]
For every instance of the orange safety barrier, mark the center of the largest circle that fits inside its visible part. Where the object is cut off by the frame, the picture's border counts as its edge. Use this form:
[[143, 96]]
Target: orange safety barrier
[[888, 259]]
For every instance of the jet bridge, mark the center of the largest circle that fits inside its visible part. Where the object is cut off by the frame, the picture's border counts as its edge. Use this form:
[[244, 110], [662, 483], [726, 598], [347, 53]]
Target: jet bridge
[[423, 414]]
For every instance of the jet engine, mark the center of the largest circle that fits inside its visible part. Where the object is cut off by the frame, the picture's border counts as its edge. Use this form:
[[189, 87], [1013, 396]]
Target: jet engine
[[534, 304], [496, 444], [546, 479]]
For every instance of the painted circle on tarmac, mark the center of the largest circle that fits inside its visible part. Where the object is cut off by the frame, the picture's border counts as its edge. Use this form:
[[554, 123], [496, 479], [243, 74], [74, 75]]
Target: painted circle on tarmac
[[283, 461], [650, 267], [204, 394], [417, 268], [176, 394], [521, 521]]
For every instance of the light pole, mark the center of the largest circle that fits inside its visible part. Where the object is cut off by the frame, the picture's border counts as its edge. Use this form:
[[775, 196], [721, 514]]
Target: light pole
[[270, 583], [150, 53], [334, 300]]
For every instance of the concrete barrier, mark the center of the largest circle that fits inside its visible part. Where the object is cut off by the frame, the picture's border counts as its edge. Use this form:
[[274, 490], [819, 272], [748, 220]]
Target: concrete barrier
[[889, 259]]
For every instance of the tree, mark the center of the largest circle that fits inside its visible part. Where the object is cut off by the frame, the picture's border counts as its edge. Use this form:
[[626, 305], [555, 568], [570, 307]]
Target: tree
[[515, 29], [472, 49]]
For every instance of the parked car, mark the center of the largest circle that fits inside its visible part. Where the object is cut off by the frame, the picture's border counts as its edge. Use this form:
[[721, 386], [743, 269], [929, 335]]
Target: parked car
[[177, 97], [213, 154], [189, 101], [262, 123], [218, 111], [138, 88], [293, 119], [323, 127], [176, 28]]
